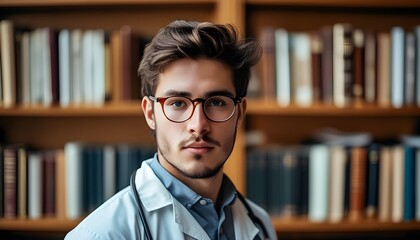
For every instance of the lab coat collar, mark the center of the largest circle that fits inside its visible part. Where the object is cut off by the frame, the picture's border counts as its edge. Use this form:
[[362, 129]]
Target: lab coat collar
[[155, 196]]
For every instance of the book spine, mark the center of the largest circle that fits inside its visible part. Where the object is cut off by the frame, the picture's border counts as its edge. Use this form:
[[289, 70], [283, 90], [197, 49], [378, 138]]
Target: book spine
[[10, 182], [417, 67], [357, 183], [35, 185], [22, 183], [275, 188], [337, 182], [282, 67], [359, 66], [385, 184], [318, 183], [327, 64], [417, 185], [397, 67], [397, 213], [8, 63], [372, 181], [267, 64], [370, 84], [64, 63], [409, 183], [384, 69], [73, 155], [409, 70]]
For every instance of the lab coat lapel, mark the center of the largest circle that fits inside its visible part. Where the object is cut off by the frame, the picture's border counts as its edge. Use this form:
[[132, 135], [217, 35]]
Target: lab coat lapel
[[244, 227], [187, 222]]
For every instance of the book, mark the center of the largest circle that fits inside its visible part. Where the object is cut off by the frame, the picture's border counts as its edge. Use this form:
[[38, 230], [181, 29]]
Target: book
[[8, 78], [98, 73], [282, 69], [35, 188], [300, 65], [373, 156], [25, 87], [60, 184], [370, 61], [268, 64], [270, 168], [397, 213], [417, 183], [64, 62], [22, 183], [397, 66], [48, 183], [116, 71], [1, 180], [342, 67], [385, 184], [73, 155], [358, 88], [10, 181], [417, 67], [409, 69], [76, 67], [316, 61], [87, 67], [409, 183], [337, 175], [109, 171], [384, 69], [327, 64], [52, 35], [318, 183], [357, 183], [290, 183]]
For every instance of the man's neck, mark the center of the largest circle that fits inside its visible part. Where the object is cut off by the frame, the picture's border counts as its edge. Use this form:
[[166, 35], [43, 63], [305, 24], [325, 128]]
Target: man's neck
[[206, 187]]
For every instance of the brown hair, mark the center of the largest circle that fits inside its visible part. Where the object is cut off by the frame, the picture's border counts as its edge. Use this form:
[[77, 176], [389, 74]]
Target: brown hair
[[189, 39]]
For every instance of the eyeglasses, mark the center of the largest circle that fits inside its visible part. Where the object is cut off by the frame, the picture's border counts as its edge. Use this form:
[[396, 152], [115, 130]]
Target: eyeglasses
[[180, 109]]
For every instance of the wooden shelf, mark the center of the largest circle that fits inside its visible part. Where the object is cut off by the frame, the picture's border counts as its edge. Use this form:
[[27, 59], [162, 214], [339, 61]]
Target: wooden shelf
[[261, 107], [31, 3], [108, 110], [303, 225], [341, 3], [46, 224]]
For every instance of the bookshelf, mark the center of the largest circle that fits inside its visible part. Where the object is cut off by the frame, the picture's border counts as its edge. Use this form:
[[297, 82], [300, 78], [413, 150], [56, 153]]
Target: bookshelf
[[51, 127]]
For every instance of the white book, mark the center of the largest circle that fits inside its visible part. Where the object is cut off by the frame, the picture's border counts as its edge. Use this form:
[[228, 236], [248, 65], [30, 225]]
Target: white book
[[417, 37], [397, 67], [76, 67], [109, 171], [301, 73], [318, 183], [338, 66], [73, 162], [417, 183], [397, 213], [281, 37], [7, 46], [25, 69], [99, 67], [87, 68], [337, 174], [35, 185], [64, 61], [45, 60]]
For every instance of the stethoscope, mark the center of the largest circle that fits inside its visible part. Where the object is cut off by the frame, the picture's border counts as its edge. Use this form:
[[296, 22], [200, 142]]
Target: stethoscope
[[259, 224]]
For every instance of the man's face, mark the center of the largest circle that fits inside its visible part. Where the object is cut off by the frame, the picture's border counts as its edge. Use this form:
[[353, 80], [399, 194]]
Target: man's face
[[198, 147]]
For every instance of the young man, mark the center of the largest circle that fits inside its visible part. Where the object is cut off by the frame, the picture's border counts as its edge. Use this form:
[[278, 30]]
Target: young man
[[194, 80]]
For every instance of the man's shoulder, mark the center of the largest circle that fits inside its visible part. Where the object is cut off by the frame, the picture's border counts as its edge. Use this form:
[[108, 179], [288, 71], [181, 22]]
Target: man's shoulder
[[113, 218]]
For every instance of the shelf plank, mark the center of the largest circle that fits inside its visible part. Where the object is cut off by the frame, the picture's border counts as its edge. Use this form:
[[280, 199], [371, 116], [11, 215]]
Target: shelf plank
[[124, 109], [46, 224], [335, 3], [31, 3], [261, 107], [305, 226]]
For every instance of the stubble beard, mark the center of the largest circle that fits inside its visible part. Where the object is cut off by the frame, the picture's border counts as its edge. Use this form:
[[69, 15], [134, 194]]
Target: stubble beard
[[202, 174]]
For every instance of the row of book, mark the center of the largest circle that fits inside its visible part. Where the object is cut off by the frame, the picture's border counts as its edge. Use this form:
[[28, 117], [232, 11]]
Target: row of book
[[47, 66], [339, 65], [333, 183], [66, 183]]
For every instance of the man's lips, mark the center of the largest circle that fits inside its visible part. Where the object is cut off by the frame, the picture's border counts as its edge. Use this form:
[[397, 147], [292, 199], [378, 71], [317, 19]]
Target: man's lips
[[198, 148]]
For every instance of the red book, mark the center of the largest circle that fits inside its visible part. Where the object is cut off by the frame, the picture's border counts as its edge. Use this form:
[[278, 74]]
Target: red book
[[267, 64], [48, 182], [357, 183], [10, 181]]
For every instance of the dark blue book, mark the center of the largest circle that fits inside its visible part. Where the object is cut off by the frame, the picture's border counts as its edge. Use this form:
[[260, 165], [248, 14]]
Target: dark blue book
[[123, 166], [274, 184], [372, 180], [290, 183], [409, 180], [257, 177], [303, 159]]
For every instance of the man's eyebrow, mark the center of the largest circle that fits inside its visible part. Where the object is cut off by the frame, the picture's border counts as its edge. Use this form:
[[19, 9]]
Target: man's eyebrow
[[219, 93], [177, 93]]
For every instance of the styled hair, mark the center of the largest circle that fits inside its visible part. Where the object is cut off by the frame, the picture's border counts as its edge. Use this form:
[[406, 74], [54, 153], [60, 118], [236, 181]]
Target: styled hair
[[190, 39]]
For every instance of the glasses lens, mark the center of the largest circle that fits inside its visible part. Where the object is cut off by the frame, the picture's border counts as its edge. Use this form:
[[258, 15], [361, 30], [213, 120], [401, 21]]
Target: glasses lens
[[178, 109], [219, 108]]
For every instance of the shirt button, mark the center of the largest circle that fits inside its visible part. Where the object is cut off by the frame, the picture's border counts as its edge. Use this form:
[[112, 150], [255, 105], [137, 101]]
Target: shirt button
[[203, 202]]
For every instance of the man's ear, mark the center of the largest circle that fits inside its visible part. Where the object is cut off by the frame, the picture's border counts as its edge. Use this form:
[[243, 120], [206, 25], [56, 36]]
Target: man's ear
[[147, 106], [241, 111]]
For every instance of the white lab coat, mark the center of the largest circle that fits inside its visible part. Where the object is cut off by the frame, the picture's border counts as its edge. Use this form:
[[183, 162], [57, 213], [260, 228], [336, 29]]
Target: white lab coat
[[118, 217]]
